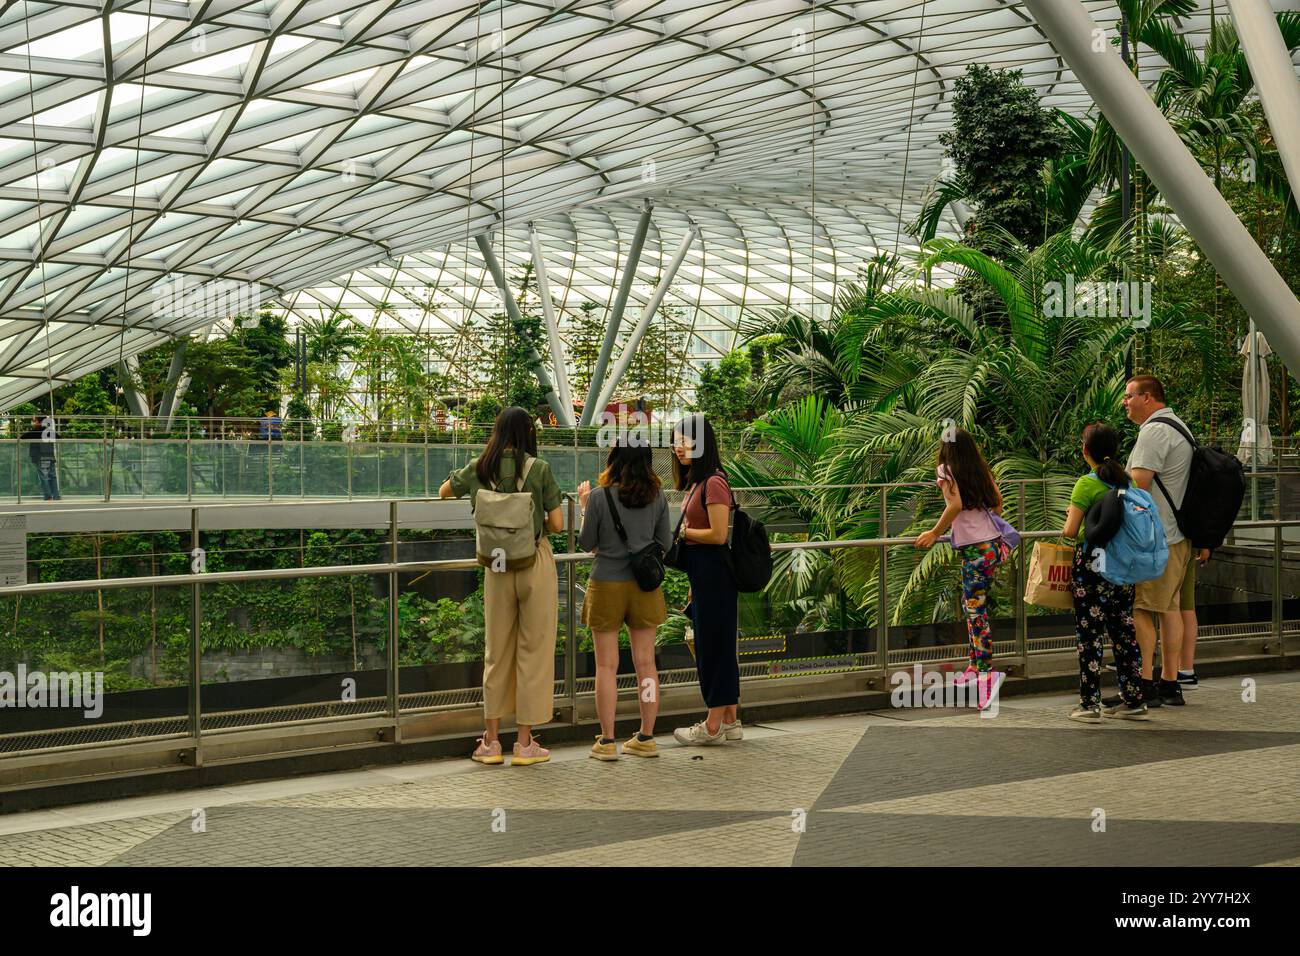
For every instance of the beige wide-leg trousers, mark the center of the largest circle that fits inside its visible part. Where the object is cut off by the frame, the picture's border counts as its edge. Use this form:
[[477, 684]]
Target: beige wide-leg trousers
[[520, 613]]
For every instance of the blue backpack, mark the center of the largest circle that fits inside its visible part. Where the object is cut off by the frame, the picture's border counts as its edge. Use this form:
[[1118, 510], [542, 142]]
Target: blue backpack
[[1137, 551]]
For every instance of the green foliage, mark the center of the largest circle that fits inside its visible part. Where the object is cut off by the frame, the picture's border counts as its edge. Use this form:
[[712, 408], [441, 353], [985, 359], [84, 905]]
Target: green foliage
[[1000, 140], [725, 391]]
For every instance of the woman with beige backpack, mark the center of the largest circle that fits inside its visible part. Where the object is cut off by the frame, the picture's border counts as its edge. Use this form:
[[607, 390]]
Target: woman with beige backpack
[[515, 500]]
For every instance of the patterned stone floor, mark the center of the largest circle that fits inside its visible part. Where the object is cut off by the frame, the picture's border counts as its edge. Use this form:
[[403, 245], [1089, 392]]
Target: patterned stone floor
[[1214, 783]]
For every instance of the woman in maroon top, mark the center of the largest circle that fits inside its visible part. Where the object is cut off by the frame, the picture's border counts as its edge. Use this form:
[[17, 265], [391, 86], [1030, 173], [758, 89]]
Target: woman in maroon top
[[697, 470]]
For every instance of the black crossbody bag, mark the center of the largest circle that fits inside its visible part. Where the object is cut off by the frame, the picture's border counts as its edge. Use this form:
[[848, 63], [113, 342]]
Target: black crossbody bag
[[676, 556], [648, 563]]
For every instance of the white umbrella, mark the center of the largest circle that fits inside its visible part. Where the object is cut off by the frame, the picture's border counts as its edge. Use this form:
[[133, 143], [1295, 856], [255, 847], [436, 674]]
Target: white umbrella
[[1256, 442]]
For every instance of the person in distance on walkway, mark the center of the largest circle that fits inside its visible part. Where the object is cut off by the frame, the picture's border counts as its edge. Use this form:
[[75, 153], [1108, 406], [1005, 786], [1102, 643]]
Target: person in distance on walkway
[[614, 597], [42, 455], [971, 499], [520, 607], [1100, 607], [713, 603]]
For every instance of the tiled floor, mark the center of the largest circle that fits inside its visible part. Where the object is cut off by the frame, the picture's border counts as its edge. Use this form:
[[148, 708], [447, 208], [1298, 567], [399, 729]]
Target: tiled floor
[[1214, 783]]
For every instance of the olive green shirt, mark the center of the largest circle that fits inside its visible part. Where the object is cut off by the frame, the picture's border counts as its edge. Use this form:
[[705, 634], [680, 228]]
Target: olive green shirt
[[540, 482]]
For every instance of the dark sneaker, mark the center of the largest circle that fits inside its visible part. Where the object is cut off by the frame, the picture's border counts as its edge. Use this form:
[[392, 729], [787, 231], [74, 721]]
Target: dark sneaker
[[1112, 701], [1171, 693], [1125, 711], [1187, 681], [1151, 693]]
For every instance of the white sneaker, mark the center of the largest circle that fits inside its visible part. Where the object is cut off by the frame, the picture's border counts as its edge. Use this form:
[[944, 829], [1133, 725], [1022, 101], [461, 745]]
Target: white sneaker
[[697, 735], [733, 730]]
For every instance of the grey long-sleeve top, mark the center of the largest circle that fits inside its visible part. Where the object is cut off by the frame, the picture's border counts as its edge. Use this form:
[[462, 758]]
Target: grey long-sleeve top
[[642, 525]]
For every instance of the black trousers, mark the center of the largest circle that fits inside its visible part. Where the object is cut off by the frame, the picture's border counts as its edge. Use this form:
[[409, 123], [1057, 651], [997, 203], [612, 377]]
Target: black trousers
[[714, 617]]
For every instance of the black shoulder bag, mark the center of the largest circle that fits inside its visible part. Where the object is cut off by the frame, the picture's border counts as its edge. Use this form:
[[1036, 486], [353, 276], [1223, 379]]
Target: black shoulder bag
[[676, 556], [648, 563]]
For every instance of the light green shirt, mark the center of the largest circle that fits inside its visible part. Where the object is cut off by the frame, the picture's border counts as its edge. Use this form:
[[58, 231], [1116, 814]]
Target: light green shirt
[[1087, 491], [540, 482]]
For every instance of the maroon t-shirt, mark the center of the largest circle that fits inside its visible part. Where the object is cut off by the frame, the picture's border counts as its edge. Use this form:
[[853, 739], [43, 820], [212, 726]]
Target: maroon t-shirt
[[716, 491]]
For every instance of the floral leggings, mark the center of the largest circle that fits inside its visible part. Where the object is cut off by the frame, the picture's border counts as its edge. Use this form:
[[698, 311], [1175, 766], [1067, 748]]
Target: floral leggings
[[1102, 608], [979, 562]]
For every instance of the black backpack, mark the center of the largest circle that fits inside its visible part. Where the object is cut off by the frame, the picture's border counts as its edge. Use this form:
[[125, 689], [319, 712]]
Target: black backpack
[[749, 554], [648, 563], [1216, 486]]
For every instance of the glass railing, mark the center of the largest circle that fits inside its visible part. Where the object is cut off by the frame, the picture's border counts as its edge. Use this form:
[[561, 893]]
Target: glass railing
[[322, 626]]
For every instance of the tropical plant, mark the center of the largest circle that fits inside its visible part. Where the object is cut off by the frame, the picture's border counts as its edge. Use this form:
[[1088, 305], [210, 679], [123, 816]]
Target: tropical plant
[[1024, 385]]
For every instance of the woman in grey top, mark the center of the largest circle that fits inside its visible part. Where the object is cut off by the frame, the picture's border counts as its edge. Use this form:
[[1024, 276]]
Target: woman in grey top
[[628, 483]]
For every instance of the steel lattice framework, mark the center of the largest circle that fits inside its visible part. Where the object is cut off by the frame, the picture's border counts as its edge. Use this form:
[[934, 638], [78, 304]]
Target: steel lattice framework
[[334, 154]]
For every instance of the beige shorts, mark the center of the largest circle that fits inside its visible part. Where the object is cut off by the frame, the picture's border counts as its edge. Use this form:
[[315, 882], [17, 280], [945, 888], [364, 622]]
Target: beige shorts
[[1164, 592], [611, 604]]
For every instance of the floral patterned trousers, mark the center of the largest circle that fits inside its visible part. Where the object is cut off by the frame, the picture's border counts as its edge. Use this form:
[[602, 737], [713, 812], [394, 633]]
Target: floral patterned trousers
[[979, 562], [1101, 609]]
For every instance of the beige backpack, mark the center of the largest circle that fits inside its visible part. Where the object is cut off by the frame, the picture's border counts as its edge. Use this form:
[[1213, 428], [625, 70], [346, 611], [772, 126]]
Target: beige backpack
[[503, 525]]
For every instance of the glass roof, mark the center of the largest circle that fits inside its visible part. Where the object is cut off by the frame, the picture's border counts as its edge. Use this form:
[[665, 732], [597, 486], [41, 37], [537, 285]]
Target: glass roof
[[329, 154]]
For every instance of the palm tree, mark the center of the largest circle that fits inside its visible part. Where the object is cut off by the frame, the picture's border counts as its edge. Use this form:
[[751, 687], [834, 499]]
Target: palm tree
[[1024, 387], [802, 353]]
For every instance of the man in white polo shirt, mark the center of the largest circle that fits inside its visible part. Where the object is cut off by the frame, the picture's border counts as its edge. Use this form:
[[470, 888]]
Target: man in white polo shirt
[[1161, 450]]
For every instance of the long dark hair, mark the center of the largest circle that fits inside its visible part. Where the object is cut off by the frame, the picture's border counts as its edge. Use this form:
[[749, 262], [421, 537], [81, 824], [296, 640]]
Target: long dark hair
[[967, 467], [707, 460], [1101, 442], [514, 430], [631, 468]]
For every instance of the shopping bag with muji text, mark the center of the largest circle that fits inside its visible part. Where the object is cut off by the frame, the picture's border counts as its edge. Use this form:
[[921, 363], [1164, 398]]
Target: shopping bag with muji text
[[1048, 583]]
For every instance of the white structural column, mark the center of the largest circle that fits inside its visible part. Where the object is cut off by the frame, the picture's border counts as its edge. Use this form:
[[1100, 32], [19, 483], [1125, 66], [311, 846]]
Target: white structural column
[[591, 408], [643, 323], [1270, 65], [1180, 179], [552, 331], [128, 371], [174, 389], [512, 310]]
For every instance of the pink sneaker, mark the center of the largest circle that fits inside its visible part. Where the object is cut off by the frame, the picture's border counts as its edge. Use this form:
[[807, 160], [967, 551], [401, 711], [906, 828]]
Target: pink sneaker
[[966, 676], [533, 753], [487, 753], [988, 685]]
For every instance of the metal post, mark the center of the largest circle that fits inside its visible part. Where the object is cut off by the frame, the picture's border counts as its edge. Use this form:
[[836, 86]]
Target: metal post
[[196, 646], [189, 464], [1277, 589], [18, 467], [270, 478], [571, 625], [882, 590], [1175, 172], [1021, 611], [394, 624], [348, 446]]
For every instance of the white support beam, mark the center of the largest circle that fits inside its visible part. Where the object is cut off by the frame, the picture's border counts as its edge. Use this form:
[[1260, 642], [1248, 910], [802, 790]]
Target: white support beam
[[643, 323], [1178, 176], [591, 407], [552, 330], [512, 309], [1275, 79]]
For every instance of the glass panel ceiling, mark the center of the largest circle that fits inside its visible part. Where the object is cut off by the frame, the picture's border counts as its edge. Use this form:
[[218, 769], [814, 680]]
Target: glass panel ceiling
[[344, 155]]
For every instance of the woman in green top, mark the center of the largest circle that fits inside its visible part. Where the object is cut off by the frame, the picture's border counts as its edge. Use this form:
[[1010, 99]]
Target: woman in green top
[[520, 607], [1099, 606]]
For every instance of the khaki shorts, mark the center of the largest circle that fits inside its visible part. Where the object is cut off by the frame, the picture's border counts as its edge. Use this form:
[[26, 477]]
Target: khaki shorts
[[1187, 595], [611, 604], [1164, 593]]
